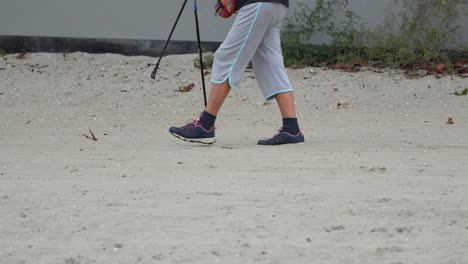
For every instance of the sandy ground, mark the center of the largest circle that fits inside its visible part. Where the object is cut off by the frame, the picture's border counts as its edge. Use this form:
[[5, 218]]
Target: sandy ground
[[383, 179]]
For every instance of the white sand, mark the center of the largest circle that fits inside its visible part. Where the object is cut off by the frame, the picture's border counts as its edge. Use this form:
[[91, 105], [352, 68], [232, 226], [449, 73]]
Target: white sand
[[384, 180]]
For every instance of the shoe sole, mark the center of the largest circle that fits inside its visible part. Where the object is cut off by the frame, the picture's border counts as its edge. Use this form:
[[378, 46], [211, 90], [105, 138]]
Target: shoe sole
[[206, 141], [289, 143]]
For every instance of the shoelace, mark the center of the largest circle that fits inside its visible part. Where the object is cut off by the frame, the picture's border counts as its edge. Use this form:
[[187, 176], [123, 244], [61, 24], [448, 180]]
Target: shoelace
[[277, 135], [278, 132], [190, 125], [194, 124]]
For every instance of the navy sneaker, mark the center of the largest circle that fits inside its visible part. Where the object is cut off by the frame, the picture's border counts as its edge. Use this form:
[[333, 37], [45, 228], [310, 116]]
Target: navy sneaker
[[283, 138], [194, 133]]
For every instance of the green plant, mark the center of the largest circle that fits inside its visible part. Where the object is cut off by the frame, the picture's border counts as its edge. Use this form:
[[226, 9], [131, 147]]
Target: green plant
[[2, 52], [297, 54], [464, 92], [423, 31], [307, 20], [322, 18], [421, 34], [208, 59]]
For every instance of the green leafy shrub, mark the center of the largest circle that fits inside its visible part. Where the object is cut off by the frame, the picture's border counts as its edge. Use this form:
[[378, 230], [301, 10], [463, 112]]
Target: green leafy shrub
[[421, 33], [208, 59]]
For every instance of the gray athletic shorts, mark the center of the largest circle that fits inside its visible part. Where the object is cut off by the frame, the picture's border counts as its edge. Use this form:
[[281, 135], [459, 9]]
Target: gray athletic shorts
[[255, 35]]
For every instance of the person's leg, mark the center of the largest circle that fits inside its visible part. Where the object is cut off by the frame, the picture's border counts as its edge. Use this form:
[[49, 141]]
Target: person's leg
[[274, 83], [239, 46], [218, 94], [289, 132], [288, 113], [230, 61], [286, 104]]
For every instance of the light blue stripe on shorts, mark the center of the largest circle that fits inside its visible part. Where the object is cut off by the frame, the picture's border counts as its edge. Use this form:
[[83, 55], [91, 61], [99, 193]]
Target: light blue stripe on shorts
[[241, 49], [254, 36]]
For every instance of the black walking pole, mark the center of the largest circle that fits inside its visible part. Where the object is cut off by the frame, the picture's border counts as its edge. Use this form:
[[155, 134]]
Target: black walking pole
[[199, 49], [153, 74]]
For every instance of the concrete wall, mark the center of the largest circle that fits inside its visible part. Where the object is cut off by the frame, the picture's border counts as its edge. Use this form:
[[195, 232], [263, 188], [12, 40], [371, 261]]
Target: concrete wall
[[373, 13], [141, 19], [116, 19]]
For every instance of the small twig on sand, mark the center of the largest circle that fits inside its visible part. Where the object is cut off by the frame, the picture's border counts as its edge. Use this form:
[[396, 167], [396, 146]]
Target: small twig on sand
[[91, 132], [90, 137]]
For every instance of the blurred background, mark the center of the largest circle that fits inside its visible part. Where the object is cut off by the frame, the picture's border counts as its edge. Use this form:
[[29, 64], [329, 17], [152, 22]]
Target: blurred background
[[141, 27]]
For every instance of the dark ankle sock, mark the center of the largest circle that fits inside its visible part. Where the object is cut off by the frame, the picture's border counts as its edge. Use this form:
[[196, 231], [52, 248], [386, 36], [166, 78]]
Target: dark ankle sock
[[207, 120], [291, 126]]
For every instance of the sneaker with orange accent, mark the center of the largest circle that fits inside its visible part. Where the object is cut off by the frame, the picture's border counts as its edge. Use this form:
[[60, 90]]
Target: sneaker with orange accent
[[283, 137], [194, 133]]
